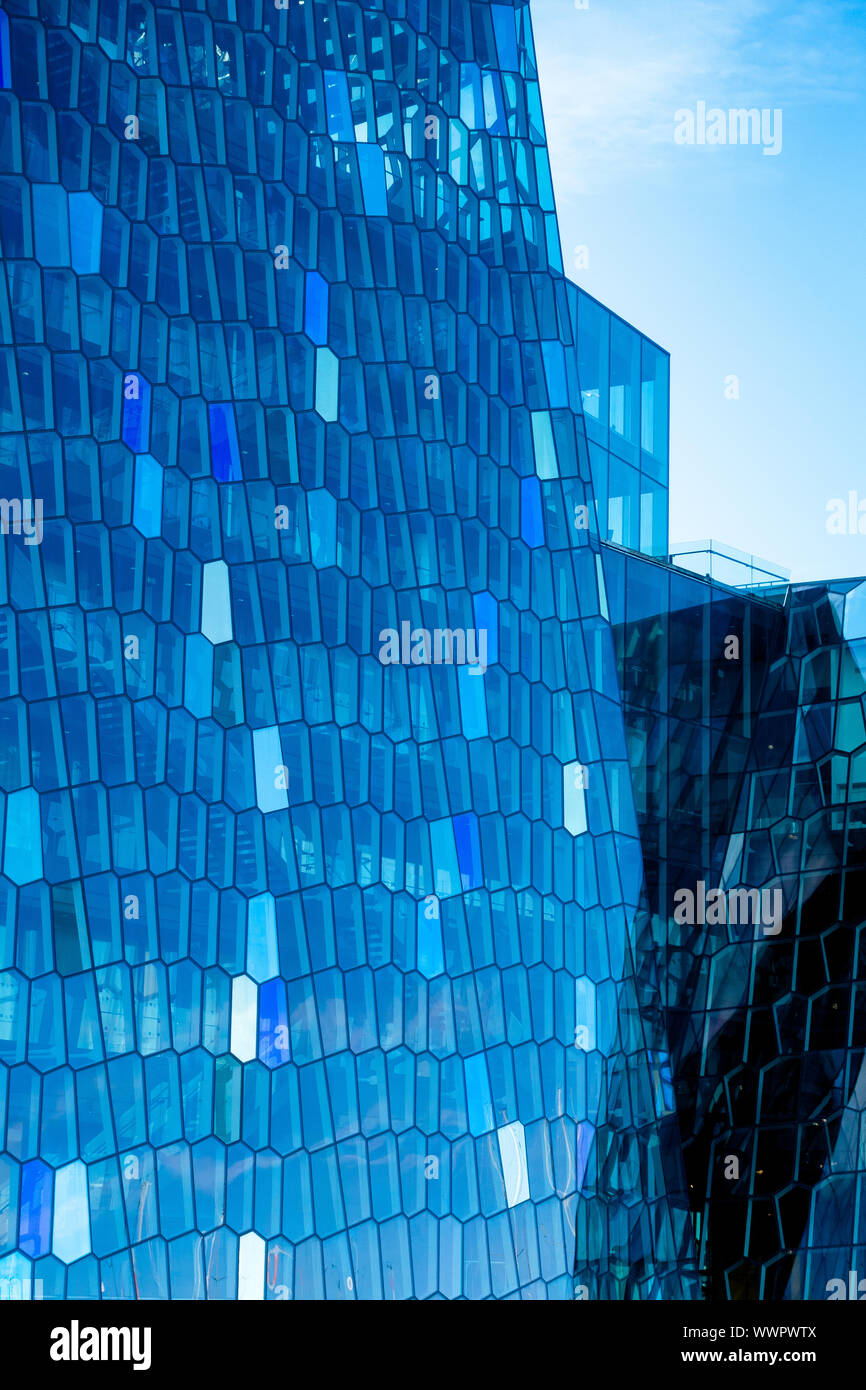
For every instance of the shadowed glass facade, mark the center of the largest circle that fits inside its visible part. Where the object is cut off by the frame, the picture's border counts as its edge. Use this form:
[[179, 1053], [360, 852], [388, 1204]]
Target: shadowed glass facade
[[324, 973], [745, 725]]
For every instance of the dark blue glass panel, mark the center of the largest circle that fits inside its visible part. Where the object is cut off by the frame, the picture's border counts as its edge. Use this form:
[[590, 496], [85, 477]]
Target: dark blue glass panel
[[225, 451], [136, 413], [5, 60]]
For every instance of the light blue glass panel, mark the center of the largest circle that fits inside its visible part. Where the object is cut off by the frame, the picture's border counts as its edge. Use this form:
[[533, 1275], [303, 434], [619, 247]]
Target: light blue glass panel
[[198, 676], [431, 957], [262, 955], [574, 782], [494, 104], [216, 606], [85, 232], [655, 404], [251, 1267], [543, 445], [553, 354], [512, 1153], [625, 389], [584, 1014], [71, 1240], [446, 870], [479, 1104], [244, 1017], [371, 161], [271, 777], [327, 384], [16, 1271], [593, 346], [22, 852], [147, 506], [473, 702], [322, 512]]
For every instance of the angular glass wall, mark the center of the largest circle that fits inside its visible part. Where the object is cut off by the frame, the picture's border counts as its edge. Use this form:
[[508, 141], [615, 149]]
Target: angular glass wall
[[625, 389], [745, 725], [323, 972]]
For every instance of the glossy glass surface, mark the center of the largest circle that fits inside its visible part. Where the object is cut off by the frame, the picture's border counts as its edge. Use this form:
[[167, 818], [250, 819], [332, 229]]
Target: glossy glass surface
[[322, 975], [747, 744]]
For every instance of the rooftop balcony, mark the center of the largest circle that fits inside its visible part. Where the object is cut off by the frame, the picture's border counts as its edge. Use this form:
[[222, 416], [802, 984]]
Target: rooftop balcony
[[725, 565]]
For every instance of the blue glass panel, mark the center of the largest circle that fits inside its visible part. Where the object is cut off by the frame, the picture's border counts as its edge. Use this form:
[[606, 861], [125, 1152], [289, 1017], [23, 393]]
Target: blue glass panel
[[468, 841], [506, 36], [554, 370], [371, 162], [531, 522], [51, 224], [339, 112], [22, 850], [85, 232], [473, 702], [71, 1231], [225, 450], [262, 955], [445, 866], [5, 58], [478, 1102], [543, 445], [487, 622], [316, 307], [271, 779], [147, 507], [136, 413], [37, 1186], [216, 608]]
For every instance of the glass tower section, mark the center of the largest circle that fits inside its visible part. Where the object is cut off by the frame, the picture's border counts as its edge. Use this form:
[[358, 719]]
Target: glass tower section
[[325, 966]]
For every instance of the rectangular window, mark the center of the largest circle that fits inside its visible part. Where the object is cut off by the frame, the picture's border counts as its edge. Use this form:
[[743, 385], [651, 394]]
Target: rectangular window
[[593, 348], [624, 395], [655, 394]]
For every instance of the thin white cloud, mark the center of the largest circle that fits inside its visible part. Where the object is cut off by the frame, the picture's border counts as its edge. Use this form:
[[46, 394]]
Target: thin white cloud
[[613, 75]]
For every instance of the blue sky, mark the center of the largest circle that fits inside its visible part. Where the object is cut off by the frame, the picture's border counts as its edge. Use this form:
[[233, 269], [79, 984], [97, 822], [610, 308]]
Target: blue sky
[[738, 263]]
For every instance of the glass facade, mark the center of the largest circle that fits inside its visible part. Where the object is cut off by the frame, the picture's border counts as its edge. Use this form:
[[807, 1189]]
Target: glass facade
[[625, 393], [323, 968], [354, 752], [747, 745]]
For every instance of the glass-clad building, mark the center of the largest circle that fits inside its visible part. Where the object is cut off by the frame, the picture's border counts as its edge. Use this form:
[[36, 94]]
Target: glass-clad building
[[358, 739]]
